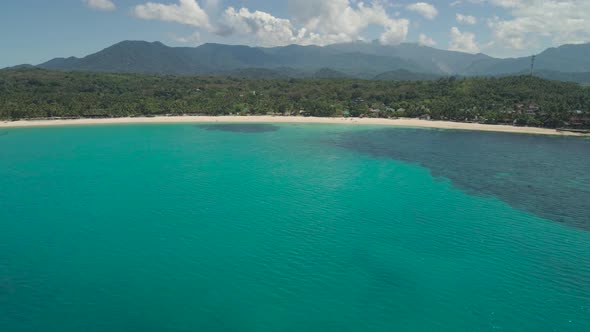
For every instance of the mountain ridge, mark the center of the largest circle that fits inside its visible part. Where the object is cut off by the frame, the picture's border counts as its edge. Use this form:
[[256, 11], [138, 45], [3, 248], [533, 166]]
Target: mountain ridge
[[365, 60]]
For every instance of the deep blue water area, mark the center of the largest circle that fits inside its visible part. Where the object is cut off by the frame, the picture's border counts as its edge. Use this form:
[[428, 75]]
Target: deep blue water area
[[545, 175]]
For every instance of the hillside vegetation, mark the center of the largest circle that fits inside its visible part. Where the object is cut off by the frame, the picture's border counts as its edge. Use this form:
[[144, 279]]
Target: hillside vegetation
[[36, 93]]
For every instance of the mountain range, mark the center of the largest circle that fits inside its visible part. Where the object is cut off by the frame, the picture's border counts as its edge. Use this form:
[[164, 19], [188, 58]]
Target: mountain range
[[368, 60]]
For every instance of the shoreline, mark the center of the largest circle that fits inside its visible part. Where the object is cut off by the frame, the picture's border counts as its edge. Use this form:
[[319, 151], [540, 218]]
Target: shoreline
[[404, 122]]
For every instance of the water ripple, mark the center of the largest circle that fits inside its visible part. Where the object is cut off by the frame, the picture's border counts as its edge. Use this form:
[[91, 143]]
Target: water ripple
[[245, 128]]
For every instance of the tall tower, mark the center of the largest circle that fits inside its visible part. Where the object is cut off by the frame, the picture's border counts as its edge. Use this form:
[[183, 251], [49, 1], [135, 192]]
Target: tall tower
[[533, 64]]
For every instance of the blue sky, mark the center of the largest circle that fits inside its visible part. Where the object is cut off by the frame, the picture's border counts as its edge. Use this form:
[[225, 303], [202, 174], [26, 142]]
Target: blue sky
[[33, 31]]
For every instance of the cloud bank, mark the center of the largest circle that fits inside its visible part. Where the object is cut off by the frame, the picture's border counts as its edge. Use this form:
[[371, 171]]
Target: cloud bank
[[312, 22], [560, 21], [521, 25]]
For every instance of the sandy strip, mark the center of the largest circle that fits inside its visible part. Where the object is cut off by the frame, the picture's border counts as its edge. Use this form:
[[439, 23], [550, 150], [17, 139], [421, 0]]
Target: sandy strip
[[288, 119]]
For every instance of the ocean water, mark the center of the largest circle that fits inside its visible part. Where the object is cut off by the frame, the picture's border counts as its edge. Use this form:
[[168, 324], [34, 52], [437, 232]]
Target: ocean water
[[292, 228]]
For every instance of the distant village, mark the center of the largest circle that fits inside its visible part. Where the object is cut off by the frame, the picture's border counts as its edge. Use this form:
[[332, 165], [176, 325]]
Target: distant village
[[577, 119], [519, 115]]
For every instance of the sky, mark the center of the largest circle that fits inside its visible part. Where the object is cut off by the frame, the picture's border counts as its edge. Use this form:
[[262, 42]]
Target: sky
[[34, 31]]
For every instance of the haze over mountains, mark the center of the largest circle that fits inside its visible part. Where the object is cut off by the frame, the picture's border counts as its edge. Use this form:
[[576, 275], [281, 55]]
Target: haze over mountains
[[359, 60]]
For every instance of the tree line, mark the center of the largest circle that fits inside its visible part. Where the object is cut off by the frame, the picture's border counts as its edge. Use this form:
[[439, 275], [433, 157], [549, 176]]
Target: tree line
[[36, 93]]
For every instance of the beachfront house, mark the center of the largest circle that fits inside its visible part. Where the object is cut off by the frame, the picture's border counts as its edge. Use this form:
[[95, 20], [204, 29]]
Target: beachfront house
[[533, 109], [529, 109], [374, 112], [579, 119]]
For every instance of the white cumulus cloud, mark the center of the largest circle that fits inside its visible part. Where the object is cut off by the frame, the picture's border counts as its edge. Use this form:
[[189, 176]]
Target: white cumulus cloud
[[425, 9], [424, 40], [531, 21], [463, 41], [395, 33], [466, 19], [311, 21], [187, 12], [267, 29], [332, 21], [320, 27], [106, 5]]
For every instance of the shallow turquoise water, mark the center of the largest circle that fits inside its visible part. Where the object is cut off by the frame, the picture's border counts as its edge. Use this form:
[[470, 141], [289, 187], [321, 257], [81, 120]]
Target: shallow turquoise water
[[181, 228]]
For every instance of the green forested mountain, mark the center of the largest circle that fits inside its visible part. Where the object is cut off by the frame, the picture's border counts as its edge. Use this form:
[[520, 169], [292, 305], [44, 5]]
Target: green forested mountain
[[431, 60], [566, 58], [37, 93], [156, 58], [329, 73], [360, 59], [581, 77]]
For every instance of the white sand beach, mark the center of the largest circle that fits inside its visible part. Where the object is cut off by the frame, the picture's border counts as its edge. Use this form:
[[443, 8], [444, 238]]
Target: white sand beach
[[289, 119]]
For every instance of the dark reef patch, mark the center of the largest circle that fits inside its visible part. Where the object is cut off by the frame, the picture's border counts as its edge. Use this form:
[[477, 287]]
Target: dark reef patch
[[3, 133], [543, 175], [246, 128]]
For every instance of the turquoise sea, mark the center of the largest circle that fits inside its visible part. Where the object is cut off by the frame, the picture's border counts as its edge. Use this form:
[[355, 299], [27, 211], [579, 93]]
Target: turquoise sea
[[292, 228]]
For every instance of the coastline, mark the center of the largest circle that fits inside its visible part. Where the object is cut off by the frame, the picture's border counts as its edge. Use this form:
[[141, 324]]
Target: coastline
[[291, 119]]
